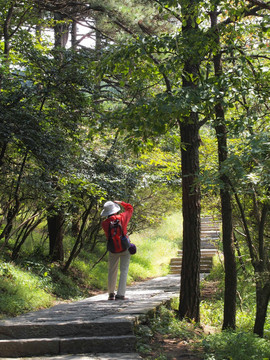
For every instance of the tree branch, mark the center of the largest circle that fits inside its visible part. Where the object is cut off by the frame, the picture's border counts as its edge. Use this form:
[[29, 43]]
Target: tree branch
[[261, 4]]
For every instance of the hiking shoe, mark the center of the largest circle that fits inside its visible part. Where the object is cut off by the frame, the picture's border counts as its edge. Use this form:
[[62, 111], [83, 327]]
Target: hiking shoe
[[111, 297], [120, 297]]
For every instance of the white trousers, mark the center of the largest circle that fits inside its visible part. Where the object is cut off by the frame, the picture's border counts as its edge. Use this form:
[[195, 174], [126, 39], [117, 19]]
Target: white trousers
[[113, 262]]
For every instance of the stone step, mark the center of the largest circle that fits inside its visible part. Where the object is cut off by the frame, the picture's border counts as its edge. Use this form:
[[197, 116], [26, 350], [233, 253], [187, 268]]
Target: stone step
[[210, 233], [209, 246], [88, 356], [206, 263], [177, 269], [10, 330], [57, 338], [178, 261], [210, 230], [204, 252], [203, 229], [210, 219], [67, 345]]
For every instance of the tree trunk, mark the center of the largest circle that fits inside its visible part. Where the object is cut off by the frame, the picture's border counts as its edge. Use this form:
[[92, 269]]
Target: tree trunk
[[7, 35], [74, 35], [229, 261], [262, 300], [190, 273], [56, 220], [261, 264], [56, 234], [79, 241], [26, 231], [262, 269], [14, 210], [226, 207], [3, 146], [189, 306], [61, 31]]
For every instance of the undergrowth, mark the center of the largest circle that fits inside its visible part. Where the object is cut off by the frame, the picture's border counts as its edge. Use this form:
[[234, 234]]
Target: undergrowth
[[165, 323], [207, 341], [220, 345]]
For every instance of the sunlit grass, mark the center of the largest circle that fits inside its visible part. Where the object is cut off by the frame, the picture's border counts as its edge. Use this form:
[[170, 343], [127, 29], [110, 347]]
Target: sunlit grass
[[21, 291], [156, 247]]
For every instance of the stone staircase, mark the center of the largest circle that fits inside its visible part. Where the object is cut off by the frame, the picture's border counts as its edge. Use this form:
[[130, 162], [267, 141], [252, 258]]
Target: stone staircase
[[90, 326], [210, 234], [66, 338]]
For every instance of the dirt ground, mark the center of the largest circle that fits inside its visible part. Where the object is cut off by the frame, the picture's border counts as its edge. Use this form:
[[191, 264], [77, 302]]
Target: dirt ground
[[174, 349], [178, 349]]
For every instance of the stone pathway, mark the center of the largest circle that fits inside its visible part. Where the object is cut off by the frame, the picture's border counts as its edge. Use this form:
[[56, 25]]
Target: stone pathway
[[86, 327]]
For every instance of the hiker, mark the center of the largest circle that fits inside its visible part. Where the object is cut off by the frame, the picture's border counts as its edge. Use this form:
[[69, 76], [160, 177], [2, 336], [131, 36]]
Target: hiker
[[110, 210]]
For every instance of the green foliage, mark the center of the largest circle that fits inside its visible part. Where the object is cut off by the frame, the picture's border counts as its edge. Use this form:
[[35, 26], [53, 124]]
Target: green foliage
[[236, 346]]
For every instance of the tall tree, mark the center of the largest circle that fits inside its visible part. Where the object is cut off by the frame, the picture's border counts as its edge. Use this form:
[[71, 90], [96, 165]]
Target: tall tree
[[225, 191], [190, 141]]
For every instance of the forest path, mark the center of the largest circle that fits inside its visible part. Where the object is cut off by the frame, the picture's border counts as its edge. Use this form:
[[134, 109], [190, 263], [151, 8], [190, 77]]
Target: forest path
[[94, 327]]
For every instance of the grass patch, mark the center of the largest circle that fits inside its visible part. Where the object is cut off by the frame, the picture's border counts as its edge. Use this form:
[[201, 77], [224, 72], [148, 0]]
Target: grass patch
[[21, 291]]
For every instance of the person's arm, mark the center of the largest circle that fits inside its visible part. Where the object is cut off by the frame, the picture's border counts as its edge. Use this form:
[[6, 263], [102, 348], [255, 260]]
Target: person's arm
[[126, 215]]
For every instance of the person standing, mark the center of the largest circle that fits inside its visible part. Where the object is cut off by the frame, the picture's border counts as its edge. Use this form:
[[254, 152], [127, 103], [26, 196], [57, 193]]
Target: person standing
[[111, 210]]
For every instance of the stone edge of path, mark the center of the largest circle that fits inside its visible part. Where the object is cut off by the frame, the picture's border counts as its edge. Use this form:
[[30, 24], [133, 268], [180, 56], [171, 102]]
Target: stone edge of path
[[106, 356]]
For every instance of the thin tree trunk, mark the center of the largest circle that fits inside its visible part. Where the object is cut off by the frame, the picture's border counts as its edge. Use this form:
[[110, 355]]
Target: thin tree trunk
[[27, 231], [74, 35], [7, 38], [13, 211], [262, 277], [3, 151], [56, 221], [56, 234], [262, 301], [79, 242]]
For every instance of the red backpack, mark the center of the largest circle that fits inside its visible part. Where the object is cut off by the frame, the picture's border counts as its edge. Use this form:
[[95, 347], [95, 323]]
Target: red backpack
[[117, 241]]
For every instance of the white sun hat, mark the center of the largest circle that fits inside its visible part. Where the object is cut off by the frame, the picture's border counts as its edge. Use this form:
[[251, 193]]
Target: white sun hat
[[110, 208]]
